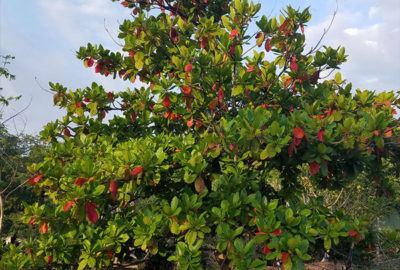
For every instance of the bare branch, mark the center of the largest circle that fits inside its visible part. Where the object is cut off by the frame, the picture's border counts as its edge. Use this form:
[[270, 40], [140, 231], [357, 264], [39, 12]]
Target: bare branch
[[326, 30], [109, 34], [18, 113]]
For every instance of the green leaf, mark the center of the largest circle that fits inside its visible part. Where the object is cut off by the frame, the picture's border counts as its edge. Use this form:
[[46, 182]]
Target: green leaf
[[226, 23], [99, 190], [338, 78], [327, 243], [305, 212], [139, 56], [268, 152], [237, 90], [174, 203], [82, 265]]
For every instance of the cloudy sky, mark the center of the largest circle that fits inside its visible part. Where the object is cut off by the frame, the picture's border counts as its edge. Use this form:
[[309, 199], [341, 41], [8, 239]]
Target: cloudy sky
[[44, 35]]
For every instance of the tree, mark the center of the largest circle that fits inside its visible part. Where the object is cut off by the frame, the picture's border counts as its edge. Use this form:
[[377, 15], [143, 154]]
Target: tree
[[15, 152], [183, 169]]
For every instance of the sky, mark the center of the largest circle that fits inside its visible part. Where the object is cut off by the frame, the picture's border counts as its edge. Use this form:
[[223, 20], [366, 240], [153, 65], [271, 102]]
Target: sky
[[44, 35]]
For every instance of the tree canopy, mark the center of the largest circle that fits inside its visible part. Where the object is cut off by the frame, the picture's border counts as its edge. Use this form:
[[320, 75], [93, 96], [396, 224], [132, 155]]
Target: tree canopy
[[214, 153]]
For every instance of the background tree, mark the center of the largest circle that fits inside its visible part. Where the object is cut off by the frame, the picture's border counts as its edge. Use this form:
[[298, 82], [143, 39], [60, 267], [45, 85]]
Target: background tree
[[15, 152], [183, 169]]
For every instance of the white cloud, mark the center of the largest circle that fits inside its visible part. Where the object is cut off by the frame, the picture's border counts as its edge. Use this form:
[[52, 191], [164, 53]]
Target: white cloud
[[371, 41]]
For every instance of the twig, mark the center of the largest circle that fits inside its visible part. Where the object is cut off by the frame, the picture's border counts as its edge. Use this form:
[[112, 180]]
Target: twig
[[18, 113], [326, 30], [41, 87], [109, 34]]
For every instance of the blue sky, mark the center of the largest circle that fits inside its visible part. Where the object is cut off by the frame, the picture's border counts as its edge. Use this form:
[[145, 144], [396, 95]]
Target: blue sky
[[44, 35]]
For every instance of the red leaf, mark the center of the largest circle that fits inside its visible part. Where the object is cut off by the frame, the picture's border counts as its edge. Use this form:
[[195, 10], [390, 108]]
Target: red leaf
[[103, 114], [267, 250], [137, 170], [204, 42], [113, 189], [250, 68], [32, 221], [34, 179], [199, 122], [50, 259], [175, 219], [186, 90], [99, 67], [110, 253], [293, 64], [174, 35], [80, 181], [321, 135], [290, 149], [86, 99], [314, 167], [110, 96], [135, 11], [90, 62], [298, 133], [166, 101], [68, 205], [43, 227], [189, 122], [283, 26], [352, 233], [297, 141], [232, 51], [314, 77], [277, 232], [133, 117], [91, 212], [268, 46], [284, 257], [188, 68], [220, 94], [247, 93], [124, 3], [233, 33], [302, 28], [67, 132]]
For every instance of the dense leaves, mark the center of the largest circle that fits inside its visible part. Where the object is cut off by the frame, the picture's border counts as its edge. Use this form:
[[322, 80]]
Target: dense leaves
[[184, 165]]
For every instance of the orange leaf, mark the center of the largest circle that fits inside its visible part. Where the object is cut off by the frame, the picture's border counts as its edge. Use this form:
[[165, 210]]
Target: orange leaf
[[68, 205], [189, 122], [233, 33], [43, 227], [284, 257], [186, 89], [34, 179], [298, 133]]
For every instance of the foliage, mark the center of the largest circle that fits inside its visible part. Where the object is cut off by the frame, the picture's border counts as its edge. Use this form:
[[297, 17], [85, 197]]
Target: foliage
[[183, 166], [15, 152], [5, 60]]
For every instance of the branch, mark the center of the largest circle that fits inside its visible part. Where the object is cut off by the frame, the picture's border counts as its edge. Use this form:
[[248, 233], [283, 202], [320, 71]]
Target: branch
[[326, 30], [109, 34], [18, 113]]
